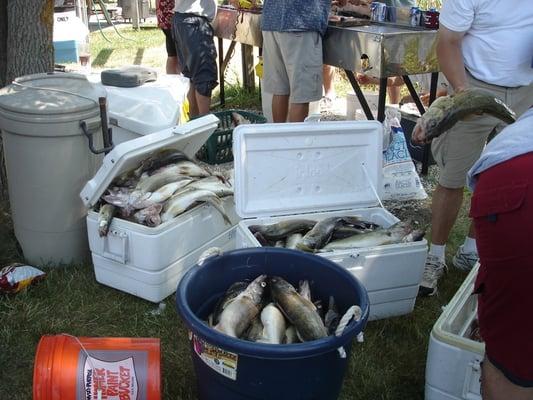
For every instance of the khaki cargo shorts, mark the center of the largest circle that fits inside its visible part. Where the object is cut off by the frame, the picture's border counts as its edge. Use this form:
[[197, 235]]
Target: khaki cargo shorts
[[458, 149], [292, 65]]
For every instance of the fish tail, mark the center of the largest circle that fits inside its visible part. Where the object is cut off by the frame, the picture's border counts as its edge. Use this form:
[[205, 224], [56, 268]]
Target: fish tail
[[215, 202]]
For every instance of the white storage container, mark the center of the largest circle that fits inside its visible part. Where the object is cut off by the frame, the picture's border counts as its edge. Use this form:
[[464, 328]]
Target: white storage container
[[142, 110], [453, 368], [157, 285], [318, 170], [142, 256]]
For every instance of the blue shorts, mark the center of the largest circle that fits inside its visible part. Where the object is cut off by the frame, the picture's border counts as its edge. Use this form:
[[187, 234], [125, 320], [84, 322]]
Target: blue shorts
[[196, 51]]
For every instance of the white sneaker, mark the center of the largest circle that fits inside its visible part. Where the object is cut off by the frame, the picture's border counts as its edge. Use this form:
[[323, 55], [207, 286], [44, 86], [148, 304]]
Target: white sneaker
[[433, 270], [464, 261]]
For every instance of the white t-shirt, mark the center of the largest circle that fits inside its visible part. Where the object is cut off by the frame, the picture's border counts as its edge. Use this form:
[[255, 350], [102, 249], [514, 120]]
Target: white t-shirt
[[498, 44], [203, 8]]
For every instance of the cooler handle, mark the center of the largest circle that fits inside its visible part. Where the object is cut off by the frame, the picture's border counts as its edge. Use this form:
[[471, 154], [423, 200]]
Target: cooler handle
[[122, 257], [472, 382], [89, 135]]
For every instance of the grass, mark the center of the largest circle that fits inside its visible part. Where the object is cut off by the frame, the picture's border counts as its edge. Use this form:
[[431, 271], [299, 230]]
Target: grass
[[390, 364]]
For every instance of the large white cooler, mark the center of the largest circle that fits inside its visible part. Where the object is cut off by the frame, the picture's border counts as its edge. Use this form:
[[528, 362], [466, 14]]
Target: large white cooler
[[142, 110], [144, 261], [316, 170], [453, 368]]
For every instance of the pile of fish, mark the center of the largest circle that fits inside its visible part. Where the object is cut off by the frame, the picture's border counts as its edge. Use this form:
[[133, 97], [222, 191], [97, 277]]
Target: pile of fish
[[333, 233], [161, 187], [271, 310], [446, 111]]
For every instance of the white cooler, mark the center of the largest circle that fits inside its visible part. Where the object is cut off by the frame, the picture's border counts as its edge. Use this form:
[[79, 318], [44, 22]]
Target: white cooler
[[148, 262], [316, 170], [453, 368], [142, 110]]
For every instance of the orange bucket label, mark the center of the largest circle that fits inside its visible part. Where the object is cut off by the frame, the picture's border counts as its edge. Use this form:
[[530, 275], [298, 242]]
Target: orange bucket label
[[105, 380]]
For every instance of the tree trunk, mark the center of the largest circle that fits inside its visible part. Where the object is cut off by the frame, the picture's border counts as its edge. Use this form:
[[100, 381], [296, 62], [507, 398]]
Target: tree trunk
[[29, 47], [3, 41]]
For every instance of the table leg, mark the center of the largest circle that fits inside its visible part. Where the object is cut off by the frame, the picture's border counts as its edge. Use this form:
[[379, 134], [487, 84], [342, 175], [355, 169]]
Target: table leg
[[359, 94], [427, 147], [381, 99], [414, 94], [248, 77], [221, 68]]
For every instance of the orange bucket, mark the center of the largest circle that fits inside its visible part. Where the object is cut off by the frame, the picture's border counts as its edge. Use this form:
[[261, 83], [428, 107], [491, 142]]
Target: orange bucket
[[71, 368]]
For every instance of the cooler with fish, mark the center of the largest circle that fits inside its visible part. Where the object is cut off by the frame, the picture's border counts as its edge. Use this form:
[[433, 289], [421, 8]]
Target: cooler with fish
[[149, 261], [317, 170], [453, 368]]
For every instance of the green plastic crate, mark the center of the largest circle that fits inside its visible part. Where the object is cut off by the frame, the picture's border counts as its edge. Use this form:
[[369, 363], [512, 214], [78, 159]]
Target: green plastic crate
[[218, 148]]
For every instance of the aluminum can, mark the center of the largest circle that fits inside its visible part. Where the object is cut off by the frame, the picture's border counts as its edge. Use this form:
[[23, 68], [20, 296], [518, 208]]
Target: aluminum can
[[378, 11], [415, 16]]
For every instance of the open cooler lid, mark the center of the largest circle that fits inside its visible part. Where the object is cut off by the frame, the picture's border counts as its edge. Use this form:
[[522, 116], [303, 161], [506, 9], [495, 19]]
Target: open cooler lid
[[126, 156], [294, 168]]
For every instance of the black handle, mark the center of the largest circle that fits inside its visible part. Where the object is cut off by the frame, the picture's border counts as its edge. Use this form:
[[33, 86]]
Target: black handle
[[89, 135]]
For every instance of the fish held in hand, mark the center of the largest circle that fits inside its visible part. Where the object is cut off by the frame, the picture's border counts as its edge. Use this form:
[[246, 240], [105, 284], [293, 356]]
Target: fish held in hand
[[446, 111], [238, 315], [298, 310]]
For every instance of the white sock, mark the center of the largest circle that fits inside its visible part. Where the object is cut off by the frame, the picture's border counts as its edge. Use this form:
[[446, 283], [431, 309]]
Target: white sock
[[437, 250], [469, 246]]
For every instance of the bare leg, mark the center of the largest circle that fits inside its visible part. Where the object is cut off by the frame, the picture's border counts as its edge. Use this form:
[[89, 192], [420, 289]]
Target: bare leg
[[203, 103], [394, 94], [280, 107], [193, 106], [173, 66], [298, 112], [328, 75], [445, 206], [495, 386]]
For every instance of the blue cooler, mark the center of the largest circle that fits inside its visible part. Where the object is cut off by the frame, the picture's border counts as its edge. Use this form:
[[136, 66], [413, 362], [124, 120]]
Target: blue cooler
[[232, 369], [66, 51]]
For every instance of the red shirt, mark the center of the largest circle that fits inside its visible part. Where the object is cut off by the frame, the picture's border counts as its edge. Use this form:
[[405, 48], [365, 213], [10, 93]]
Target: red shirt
[[165, 13]]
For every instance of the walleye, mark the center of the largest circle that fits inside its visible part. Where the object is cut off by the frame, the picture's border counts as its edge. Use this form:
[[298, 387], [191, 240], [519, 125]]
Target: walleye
[[282, 229], [317, 237], [181, 201], [293, 240], [238, 119], [170, 173], [446, 111], [273, 325], [290, 335], [232, 292], [331, 320], [394, 234], [149, 216], [213, 184], [238, 315], [105, 215], [140, 200], [298, 310], [160, 159], [255, 331], [305, 290]]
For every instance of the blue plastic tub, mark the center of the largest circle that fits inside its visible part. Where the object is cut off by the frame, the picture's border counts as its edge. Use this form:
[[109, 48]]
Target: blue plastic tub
[[232, 369]]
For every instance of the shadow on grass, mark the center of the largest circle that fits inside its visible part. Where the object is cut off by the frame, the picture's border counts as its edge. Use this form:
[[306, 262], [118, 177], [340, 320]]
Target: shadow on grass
[[102, 57], [139, 56]]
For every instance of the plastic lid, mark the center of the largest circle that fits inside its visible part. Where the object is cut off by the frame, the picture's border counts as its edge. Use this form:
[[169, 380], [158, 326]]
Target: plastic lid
[[285, 169], [148, 108], [50, 94], [127, 155]]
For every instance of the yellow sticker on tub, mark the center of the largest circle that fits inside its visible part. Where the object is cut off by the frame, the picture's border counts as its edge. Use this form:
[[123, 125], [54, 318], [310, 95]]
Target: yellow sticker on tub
[[222, 361]]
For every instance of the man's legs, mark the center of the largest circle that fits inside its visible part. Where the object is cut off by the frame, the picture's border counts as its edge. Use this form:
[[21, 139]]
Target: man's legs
[[328, 75], [198, 104], [280, 107], [445, 206], [172, 66], [298, 112], [495, 386]]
